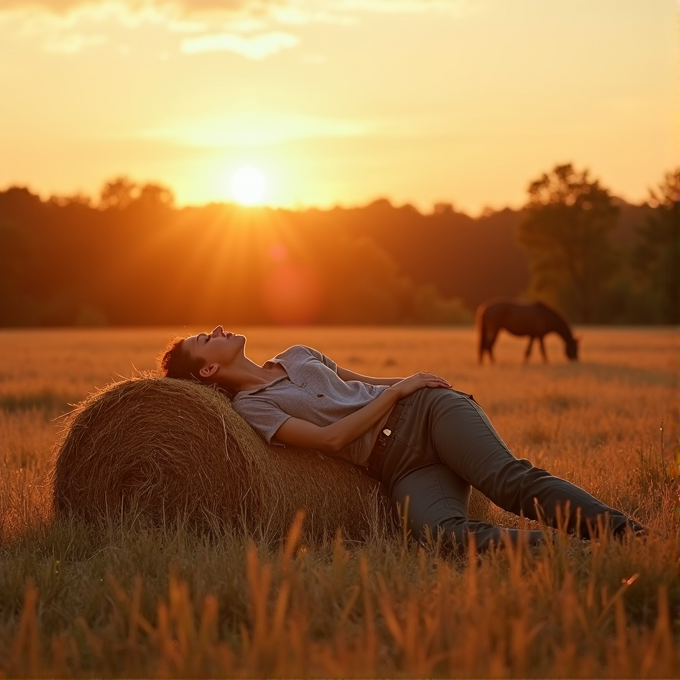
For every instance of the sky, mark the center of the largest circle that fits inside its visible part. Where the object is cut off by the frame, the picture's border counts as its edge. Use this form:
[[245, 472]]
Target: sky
[[339, 102]]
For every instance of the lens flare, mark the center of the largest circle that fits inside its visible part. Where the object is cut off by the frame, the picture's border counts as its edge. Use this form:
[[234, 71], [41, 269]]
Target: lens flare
[[292, 294]]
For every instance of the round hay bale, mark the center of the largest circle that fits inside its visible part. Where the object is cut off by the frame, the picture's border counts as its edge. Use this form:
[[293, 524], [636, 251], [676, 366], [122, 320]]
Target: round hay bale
[[174, 449]]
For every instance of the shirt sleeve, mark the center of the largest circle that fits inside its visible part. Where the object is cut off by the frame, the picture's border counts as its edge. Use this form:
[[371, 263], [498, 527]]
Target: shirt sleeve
[[326, 361], [262, 414]]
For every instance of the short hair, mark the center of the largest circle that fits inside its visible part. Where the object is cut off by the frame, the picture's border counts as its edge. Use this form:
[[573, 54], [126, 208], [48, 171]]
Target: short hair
[[176, 362]]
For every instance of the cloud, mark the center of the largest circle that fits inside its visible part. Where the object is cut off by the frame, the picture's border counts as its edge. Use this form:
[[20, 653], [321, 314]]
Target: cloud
[[400, 6], [302, 13], [244, 27], [33, 17], [253, 129], [169, 8], [72, 43], [253, 47], [291, 10], [207, 25], [51, 6]]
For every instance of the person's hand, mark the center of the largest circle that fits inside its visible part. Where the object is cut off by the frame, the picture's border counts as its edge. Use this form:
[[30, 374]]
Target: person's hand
[[417, 382]]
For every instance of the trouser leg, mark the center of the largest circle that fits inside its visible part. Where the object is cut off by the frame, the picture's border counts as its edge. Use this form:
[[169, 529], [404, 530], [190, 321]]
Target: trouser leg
[[437, 498], [466, 442]]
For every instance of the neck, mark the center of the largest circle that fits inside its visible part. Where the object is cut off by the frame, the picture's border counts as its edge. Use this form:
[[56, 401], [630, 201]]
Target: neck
[[248, 375], [561, 328]]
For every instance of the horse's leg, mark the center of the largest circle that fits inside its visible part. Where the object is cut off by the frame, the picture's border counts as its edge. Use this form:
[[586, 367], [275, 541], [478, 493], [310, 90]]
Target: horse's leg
[[491, 341], [486, 340], [480, 322], [527, 352], [545, 356]]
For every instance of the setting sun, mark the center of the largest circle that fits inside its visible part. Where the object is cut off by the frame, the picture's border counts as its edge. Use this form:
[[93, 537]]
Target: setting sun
[[248, 186]]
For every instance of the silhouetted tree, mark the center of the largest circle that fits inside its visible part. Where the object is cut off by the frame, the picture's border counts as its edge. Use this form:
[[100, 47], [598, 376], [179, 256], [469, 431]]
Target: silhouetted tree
[[75, 199], [15, 256], [442, 208], [657, 252], [154, 196], [117, 193], [566, 230]]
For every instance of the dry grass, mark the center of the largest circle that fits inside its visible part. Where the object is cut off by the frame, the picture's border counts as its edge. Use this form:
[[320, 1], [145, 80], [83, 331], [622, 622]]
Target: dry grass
[[126, 599]]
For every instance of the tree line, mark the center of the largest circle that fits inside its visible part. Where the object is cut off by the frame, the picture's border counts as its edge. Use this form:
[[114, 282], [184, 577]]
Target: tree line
[[131, 257]]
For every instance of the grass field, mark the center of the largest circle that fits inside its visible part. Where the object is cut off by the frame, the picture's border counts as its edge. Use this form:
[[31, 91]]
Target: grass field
[[127, 600]]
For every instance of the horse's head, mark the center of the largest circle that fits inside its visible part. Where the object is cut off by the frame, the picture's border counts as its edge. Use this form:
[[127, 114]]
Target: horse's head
[[571, 349]]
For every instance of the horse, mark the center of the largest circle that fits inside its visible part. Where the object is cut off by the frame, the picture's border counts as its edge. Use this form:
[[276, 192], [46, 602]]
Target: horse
[[535, 320]]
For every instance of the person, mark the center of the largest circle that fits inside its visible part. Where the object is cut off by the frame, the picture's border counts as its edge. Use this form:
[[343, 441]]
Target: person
[[426, 442]]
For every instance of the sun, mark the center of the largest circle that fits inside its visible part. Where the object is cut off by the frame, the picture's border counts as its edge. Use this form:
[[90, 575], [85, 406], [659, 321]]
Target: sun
[[248, 186]]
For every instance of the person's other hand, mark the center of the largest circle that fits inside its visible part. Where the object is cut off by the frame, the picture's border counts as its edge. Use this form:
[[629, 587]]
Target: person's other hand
[[417, 382]]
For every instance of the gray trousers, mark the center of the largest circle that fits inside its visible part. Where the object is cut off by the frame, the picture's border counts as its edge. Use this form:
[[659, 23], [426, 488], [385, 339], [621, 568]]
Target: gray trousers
[[443, 443]]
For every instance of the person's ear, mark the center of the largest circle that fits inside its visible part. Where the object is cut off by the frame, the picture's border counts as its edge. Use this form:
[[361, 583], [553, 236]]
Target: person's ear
[[208, 370]]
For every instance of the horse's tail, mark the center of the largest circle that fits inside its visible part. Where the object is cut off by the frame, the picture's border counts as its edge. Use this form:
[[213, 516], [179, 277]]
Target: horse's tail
[[480, 323]]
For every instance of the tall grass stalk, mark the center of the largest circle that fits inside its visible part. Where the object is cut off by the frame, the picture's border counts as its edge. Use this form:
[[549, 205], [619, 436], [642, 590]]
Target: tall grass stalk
[[335, 611]]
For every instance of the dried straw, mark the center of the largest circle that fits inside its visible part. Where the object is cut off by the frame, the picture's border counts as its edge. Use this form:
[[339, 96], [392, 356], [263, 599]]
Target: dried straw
[[174, 449]]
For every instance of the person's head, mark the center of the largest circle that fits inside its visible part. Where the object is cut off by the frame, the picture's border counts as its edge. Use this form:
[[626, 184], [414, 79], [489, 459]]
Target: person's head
[[204, 357]]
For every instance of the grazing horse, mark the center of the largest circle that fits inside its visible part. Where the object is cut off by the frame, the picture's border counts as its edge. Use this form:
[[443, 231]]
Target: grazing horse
[[535, 320]]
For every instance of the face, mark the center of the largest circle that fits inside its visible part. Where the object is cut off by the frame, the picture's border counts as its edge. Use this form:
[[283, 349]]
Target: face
[[217, 349]]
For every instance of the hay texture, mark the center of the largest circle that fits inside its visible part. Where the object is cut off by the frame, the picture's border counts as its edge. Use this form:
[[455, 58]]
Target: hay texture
[[173, 449]]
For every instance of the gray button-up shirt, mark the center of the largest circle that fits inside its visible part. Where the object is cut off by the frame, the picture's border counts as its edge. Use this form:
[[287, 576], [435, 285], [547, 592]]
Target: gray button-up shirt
[[313, 391]]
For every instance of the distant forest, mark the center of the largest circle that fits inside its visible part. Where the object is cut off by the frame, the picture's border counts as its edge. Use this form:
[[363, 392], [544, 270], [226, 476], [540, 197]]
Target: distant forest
[[131, 257]]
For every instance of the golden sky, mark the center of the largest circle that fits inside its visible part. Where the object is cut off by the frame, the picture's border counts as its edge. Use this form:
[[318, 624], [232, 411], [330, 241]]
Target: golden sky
[[338, 101]]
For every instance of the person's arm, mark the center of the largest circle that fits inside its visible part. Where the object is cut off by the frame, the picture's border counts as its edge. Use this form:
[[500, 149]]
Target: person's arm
[[334, 437], [346, 375]]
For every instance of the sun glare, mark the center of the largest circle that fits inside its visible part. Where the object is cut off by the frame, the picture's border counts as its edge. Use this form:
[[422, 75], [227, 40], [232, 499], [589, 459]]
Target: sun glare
[[248, 186]]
